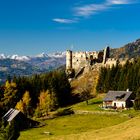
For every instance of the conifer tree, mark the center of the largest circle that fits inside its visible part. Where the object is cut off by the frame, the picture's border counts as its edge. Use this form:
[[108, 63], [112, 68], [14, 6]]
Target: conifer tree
[[137, 100], [10, 132]]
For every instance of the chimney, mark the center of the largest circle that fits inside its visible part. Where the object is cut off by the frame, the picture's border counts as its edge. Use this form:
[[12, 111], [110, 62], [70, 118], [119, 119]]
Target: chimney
[[127, 89]]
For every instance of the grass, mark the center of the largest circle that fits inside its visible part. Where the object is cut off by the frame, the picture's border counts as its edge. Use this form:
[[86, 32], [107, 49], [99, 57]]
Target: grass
[[128, 130], [93, 105], [72, 124], [107, 126]]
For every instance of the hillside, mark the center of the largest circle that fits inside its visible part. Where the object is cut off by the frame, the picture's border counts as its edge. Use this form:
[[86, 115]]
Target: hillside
[[99, 125], [87, 80], [15, 67], [128, 130], [130, 50]]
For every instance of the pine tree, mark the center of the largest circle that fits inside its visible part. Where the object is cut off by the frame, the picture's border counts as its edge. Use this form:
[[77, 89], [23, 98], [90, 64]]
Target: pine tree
[[12, 131], [137, 100]]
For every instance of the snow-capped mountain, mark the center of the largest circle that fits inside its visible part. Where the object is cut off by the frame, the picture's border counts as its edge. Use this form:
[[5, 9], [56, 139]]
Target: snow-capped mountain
[[15, 57], [42, 55], [28, 58], [57, 54], [20, 58], [27, 65], [2, 56]]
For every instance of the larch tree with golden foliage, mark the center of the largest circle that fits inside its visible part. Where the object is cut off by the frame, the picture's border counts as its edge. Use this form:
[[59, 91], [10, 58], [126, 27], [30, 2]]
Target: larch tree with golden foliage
[[47, 102], [24, 105], [10, 96], [20, 106]]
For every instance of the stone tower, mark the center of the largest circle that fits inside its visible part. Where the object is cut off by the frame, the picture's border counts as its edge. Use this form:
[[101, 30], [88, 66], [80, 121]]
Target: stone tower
[[68, 60], [106, 54]]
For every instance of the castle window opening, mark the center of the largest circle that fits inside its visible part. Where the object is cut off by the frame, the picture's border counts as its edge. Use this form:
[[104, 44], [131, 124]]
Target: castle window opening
[[91, 57]]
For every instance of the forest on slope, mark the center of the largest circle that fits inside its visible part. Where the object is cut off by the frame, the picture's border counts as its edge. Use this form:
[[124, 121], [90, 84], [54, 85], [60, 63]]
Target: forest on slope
[[121, 78]]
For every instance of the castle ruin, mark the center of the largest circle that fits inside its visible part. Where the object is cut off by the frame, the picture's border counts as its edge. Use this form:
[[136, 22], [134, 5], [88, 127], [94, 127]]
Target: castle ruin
[[77, 61]]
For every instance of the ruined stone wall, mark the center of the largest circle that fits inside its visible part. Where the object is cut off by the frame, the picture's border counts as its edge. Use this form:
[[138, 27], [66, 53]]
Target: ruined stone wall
[[123, 61], [83, 59], [110, 62], [78, 60]]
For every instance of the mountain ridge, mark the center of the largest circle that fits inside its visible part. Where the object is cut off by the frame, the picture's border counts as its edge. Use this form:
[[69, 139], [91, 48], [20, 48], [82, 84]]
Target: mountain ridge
[[28, 65], [130, 50], [27, 58]]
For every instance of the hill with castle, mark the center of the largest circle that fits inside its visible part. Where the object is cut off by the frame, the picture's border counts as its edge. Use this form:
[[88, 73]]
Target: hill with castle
[[77, 62]]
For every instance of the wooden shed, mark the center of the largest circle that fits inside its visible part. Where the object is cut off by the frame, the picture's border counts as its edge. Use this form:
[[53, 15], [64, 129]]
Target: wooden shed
[[20, 118]]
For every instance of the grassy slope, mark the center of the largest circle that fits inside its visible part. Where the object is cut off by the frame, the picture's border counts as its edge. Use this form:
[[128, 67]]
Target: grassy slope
[[72, 124], [129, 130], [93, 104], [89, 126]]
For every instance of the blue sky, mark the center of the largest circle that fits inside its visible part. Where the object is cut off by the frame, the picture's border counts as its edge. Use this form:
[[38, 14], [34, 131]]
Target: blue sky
[[29, 27]]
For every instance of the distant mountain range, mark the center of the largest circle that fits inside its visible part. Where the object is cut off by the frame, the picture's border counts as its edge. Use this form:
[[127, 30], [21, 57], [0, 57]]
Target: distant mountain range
[[28, 58], [27, 65]]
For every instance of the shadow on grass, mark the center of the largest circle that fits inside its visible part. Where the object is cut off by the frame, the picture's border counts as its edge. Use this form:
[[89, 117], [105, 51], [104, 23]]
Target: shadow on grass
[[95, 102]]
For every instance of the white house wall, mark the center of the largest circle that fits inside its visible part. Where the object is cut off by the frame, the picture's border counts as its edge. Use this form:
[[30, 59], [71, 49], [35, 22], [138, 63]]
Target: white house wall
[[119, 103]]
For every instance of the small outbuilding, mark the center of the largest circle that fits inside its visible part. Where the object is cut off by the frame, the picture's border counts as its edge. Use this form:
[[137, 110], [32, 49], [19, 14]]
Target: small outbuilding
[[20, 118], [118, 99]]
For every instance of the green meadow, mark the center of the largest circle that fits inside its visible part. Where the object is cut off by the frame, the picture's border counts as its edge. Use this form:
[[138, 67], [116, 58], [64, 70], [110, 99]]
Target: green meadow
[[82, 126]]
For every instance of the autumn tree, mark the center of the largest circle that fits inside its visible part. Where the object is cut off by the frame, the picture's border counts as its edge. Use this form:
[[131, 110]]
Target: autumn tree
[[24, 105], [20, 106], [27, 102], [47, 102], [10, 95]]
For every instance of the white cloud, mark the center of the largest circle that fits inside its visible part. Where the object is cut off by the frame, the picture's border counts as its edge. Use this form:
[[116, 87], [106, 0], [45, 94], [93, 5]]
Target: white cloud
[[63, 20], [120, 1], [90, 9]]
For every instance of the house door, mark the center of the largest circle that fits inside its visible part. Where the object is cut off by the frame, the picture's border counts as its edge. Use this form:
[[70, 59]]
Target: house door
[[122, 106], [114, 104]]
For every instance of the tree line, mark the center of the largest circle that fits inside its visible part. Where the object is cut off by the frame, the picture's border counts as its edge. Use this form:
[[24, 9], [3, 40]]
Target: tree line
[[121, 78], [37, 94]]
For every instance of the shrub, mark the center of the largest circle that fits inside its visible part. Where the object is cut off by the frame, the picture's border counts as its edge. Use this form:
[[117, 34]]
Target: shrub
[[63, 112]]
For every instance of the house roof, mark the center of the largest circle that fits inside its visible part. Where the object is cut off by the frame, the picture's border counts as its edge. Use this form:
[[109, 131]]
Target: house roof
[[11, 114], [117, 95]]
